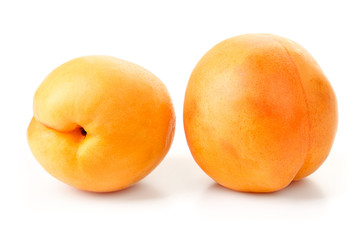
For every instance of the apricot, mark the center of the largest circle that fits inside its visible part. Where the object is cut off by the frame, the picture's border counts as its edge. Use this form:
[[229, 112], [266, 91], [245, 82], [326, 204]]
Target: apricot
[[259, 113], [100, 123]]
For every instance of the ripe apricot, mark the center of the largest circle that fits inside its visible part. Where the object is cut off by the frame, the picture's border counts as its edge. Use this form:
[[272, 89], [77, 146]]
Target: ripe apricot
[[259, 113], [100, 123]]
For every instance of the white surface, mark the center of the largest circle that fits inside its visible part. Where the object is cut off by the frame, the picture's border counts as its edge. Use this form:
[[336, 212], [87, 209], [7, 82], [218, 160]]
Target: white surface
[[177, 200]]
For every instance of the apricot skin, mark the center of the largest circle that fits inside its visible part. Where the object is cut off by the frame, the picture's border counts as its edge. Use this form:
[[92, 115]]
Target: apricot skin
[[100, 123], [259, 113]]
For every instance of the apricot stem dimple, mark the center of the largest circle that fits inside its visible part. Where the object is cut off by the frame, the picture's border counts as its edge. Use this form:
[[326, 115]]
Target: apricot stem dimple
[[83, 132]]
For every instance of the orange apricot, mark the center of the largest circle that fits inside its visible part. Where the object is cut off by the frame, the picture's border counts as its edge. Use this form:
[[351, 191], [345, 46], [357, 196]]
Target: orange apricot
[[100, 123], [259, 113]]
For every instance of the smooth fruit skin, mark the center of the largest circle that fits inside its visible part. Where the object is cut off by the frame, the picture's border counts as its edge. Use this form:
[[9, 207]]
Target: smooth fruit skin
[[125, 110], [259, 113]]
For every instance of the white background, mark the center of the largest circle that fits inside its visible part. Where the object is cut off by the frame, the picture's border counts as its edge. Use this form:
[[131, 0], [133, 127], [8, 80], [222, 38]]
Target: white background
[[177, 200]]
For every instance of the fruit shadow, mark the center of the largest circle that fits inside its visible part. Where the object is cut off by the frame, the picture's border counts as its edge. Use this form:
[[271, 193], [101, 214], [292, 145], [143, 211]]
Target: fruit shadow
[[299, 200], [301, 190], [138, 192]]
